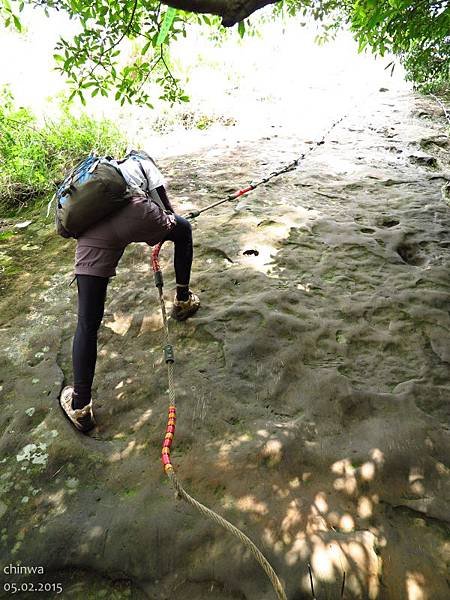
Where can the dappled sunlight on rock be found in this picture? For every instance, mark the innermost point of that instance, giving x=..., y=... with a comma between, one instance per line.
x=417, y=487
x=146, y=416
x=343, y=467
x=442, y=469
x=251, y=504
x=333, y=519
x=57, y=503
x=347, y=484
x=264, y=260
x=320, y=502
x=122, y=388
x=305, y=287
x=316, y=522
x=377, y=456
x=95, y=532
x=121, y=323
x=299, y=551
x=367, y=471
x=151, y=323
x=280, y=492
x=346, y=523
x=365, y=507
x=272, y=452
x=415, y=583
x=416, y=477
x=266, y=238
x=338, y=561
x=294, y=483
x=322, y=561
x=122, y=454
x=293, y=517
x=226, y=448
x=269, y=537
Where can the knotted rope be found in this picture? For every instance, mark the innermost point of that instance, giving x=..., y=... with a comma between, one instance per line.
x=170, y=359
x=169, y=437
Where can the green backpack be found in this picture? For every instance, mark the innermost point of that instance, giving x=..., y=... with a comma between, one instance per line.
x=91, y=191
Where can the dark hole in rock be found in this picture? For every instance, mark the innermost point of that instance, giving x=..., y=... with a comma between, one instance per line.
x=367, y=230
x=389, y=222
x=426, y=161
x=266, y=222
x=410, y=254
x=250, y=252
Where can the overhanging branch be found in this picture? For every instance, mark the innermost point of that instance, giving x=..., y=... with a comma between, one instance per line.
x=231, y=11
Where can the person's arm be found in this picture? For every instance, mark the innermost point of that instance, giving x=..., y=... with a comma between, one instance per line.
x=160, y=194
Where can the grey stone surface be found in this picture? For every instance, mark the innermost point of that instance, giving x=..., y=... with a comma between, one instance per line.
x=312, y=386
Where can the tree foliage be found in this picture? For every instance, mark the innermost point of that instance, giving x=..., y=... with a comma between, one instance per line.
x=416, y=31
x=121, y=46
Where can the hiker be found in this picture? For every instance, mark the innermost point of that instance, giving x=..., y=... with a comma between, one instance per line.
x=147, y=217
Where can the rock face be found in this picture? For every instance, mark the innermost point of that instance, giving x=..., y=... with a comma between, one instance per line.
x=312, y=386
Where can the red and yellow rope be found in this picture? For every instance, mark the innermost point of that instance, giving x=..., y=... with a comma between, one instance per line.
x=168, y=439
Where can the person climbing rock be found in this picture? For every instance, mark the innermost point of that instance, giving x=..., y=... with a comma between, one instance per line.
x=148, y=217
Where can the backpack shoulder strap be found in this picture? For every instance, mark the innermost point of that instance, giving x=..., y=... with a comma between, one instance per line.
x=143, y=173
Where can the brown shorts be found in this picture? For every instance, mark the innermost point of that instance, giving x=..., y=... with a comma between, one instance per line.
x=100, y=248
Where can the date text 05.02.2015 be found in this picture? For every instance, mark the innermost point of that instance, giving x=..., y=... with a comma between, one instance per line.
x=37, y=587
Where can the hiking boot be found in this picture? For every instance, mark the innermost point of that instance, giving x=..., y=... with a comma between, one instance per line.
x=181, y=310
x=81, y=418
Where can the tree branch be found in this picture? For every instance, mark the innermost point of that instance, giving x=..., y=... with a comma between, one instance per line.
x=124, y=33
x=231, y=11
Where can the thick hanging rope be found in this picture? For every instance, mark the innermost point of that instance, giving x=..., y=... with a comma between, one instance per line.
x=170, y=359
x=168, y=440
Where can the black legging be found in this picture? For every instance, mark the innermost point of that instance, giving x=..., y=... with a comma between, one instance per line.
x=91, y=305
x=181, y=236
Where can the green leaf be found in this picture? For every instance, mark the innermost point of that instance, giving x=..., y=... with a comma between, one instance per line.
x=17, y=22
x=146, y=47
x=59, y=58
x=165, y=27
x=241, y=28
x=362, y=45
